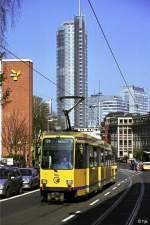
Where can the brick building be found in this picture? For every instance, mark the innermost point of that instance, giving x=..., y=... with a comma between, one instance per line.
x=17, y=99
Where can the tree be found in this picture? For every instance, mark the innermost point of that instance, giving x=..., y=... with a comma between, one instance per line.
x=8, y=11
x=15, y=134
x=138, y=154
x=40, y=116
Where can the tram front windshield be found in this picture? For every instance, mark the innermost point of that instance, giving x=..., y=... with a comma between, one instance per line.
x=57, y=153
x=146, y=157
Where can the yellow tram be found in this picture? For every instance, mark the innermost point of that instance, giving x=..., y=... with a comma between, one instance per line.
x=74, y=164
x=146, y=160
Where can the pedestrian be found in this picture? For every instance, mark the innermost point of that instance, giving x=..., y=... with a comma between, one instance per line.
x=135, y=165
x=132, y=164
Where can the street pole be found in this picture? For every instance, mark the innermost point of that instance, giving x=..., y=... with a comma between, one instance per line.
x=1, y=99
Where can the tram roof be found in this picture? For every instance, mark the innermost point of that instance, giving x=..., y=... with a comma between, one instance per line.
x=81, y=137
x=68, y=133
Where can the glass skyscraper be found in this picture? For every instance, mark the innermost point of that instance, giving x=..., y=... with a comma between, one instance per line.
x=136, y=98
x=65, y=70
x=81, y=85
x=100, y=105
x=72, y=70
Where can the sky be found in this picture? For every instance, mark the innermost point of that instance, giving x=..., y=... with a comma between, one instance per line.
x=126, y=25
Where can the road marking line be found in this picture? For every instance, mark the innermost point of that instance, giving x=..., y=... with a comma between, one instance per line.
x=92, y=203
x=114, y=188
x=68, y=218
x=77, y=212
x=17, y=196
x=122, y=181
x=107, y=193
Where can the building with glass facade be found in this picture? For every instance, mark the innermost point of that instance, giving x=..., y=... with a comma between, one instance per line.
x=81, y=79
x=136, y=98
x=65, y=70
x=72, y=70
x=101, y=105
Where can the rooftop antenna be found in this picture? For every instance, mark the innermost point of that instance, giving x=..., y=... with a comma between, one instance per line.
x=79, y=7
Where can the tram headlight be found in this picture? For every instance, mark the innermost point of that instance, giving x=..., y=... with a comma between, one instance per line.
x=2, y=186
x=69, y=182
x=43, y=181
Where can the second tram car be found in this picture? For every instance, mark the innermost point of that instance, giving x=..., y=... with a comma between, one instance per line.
x=74, y=164
x=146, y=160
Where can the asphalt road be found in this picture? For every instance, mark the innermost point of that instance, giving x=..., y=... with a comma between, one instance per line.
x=125, y=202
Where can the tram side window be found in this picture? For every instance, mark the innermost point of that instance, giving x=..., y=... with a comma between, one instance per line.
x=108, y=159
x=79, y=156
x=98, y=156
x=93, y=156
x=102, y=156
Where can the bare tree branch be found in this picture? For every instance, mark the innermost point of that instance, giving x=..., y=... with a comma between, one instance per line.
x=15, y=134
x=8, y=12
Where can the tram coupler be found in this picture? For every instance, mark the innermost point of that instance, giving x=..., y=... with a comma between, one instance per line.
x=56, y=196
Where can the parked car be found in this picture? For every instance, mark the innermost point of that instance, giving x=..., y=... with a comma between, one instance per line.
x=30, y=178
x=10, y=181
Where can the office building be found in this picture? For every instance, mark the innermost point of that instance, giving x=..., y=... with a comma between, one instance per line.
x=65, y=70
x=136, y=98
x=113, y=104
x=128, y=133
x=72, y=70
x=81, y=79
x=95, y=110
x=117, y=130
x=141, y=130
x=101, y=105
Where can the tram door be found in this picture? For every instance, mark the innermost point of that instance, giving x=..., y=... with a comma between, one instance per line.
x=102, y=168
x=80, y=174
x=93, y=168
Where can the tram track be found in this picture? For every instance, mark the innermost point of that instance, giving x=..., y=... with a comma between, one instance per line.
x=136, y=208
x=105, y=218
x=117, y=208
x=115, y=204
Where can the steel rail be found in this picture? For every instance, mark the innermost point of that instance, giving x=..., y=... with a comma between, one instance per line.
x=135, y=210
x=137, y=205
x=115, y=204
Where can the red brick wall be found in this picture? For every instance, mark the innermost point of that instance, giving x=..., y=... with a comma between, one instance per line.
x=21, y=91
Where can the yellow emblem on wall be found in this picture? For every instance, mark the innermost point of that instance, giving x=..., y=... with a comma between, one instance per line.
x=15, y=74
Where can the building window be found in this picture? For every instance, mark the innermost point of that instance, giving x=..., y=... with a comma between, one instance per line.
x=129, y=142
x=120, y=131
x=129, y=131
x=120, y=142
x=125, y=121
x=121, y=121
x=125, y=131
x=125, y=142
x=121, y=153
